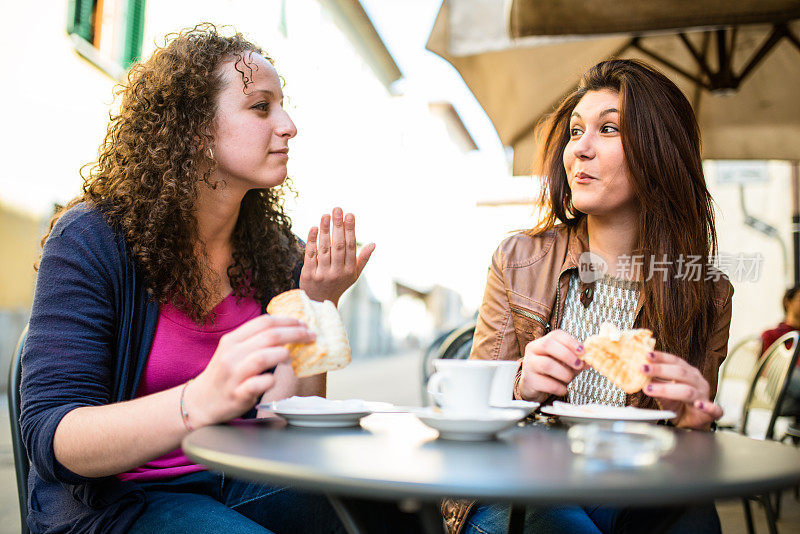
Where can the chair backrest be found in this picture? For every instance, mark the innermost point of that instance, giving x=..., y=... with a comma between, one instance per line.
x=770, y=381
x=21, y=463
x=456, y=345
x=735, y=376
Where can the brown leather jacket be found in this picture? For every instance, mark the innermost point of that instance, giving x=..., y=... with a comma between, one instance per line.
x=525, y=294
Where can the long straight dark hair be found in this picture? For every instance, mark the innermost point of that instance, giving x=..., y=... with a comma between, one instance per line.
x=661, y=141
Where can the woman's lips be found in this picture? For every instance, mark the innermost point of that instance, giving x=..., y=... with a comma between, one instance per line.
x=583, y=178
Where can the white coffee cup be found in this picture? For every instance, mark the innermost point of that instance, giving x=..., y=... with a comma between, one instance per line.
x=502, y=391
x=462, y=386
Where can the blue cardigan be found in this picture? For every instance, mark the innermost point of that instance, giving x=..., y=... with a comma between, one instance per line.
x=89, y=337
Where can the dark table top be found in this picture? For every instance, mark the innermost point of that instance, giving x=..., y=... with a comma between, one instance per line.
x=394, y=456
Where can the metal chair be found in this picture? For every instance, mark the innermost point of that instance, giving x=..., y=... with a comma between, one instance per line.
x=793, y=433
x=21, y=463
x=735, y=378
x=455, y=345
x=764, y=398
x=769, y=384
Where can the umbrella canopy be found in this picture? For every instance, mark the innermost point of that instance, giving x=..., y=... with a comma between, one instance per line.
x=737, y=62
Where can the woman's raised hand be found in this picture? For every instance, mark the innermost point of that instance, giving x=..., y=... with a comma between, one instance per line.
x=681, y=388
x=234, y=379
x=331, y=265
x=550, y=363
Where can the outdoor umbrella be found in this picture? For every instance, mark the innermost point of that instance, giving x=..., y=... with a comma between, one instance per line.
x=738, y=62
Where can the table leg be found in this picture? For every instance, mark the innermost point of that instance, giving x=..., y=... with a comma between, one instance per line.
x=516, y=522
x=431, y=518
x=765, y=500
x=428, y=513
x=347, y=515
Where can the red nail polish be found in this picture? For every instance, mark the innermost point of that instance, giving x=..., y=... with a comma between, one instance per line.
x=700, y=405
x=577, y=362
x=646, y=368
x=579, y=348
x=649, y=388
x=652, y=356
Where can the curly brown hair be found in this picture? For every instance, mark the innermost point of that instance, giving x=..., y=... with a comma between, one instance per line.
x=145, y=180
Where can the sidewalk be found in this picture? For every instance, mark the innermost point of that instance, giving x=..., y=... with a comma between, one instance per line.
x=394, y=379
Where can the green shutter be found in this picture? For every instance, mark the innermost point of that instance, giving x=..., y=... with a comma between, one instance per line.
x=134, y=31
x=79, y=18
x=282, y=25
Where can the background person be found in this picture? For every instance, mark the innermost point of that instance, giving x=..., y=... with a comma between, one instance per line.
x=621, y=157
x=148, y=318
x=790, y=323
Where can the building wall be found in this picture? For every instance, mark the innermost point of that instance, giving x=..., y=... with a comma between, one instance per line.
x=57, y=106
x=757, y=302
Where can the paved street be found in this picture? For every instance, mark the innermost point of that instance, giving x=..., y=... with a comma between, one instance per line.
x=393, y=379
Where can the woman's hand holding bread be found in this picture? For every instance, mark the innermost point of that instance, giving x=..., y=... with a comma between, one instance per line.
x=681, y=388
x=235, y=378
x=550, y=363
x=330, y=350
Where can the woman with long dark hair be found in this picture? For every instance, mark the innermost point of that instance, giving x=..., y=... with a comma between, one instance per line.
x=628, y=238
x=148, y=319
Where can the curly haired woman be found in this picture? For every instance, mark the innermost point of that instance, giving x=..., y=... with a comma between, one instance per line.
x=148, y=319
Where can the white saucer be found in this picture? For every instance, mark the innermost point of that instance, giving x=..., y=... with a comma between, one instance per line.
x=470, y=426
x=323, y=420
x=319, y=412
x=519, y=404
x=598, y=412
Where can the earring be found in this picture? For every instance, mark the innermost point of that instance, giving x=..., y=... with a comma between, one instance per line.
x=210, y=154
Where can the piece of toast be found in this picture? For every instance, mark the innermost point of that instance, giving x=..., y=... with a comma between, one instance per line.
x=330, y=351
x=620, y=355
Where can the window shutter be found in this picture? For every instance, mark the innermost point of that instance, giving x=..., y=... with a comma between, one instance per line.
x=134, y=30
x=79, y=21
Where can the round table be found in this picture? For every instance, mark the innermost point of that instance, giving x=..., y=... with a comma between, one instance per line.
x=395, y=457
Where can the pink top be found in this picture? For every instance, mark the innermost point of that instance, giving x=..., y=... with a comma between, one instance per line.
x=181, y=350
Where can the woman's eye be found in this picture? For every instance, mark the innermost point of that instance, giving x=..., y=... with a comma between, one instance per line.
x=609, y=128
x=261, y=106
x=575, y=132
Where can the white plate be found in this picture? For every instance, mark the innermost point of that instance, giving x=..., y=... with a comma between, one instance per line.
x=320, y=412
x=519, y=404
x=323, y=420
x=470, y=427
x=599, y=412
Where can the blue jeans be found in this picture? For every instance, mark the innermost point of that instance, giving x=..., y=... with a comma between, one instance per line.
x=211, y=502
x=493, y=519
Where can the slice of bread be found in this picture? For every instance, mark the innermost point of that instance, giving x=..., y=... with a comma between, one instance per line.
x=331, y=350
x=620, y=355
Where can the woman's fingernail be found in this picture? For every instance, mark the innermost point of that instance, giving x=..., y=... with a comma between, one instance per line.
x=649, y=388
x=652, y=356
x=578, y=362
x=646, y=368
x=700, y=405
x=579, y=348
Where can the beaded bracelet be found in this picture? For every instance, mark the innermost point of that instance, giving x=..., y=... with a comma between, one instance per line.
x=184, y=413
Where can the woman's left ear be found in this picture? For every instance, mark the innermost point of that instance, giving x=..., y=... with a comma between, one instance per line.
x=205, y=146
